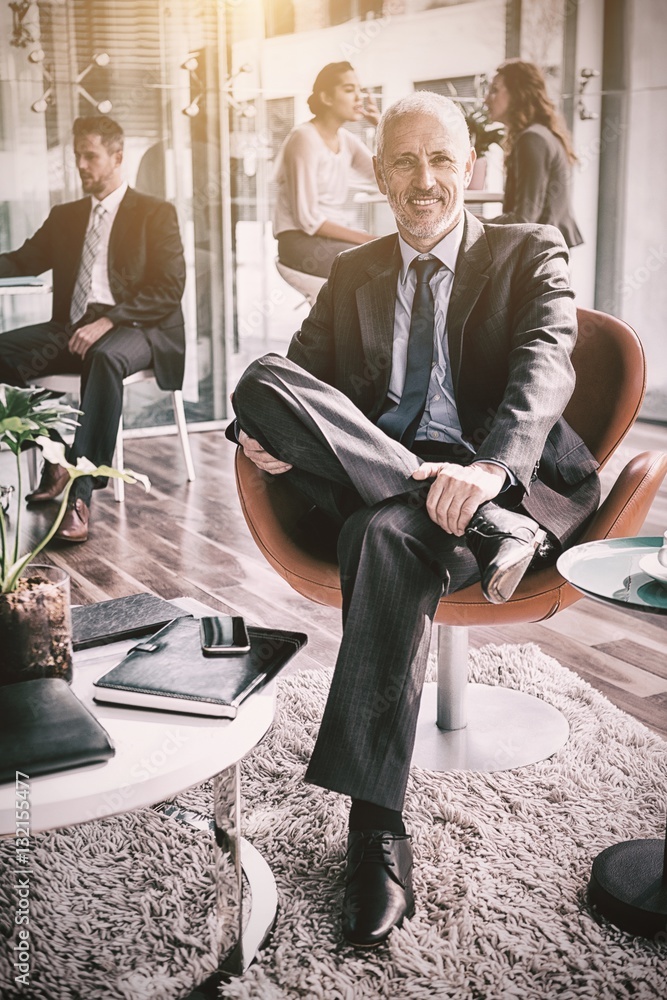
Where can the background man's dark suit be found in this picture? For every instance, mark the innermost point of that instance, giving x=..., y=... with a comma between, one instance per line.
x=511, y=327
x=146, y=272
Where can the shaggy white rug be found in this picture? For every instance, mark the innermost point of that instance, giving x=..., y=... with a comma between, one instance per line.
x=502, y=862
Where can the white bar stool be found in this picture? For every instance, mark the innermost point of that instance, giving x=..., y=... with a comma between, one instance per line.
x=307, y=285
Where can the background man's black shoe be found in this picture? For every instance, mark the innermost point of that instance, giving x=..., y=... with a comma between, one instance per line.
x=53, y=481
x=378, y=894
x=504, y=544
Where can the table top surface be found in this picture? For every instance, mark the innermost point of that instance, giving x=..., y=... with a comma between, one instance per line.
x=158, y=754
x=610, y=571
x=23, y=286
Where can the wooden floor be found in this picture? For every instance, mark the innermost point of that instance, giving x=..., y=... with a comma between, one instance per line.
x=190, y=539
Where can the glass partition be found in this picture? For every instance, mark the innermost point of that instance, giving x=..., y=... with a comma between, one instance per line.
x=156, y=67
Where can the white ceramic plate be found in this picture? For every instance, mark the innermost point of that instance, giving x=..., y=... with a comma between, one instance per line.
x=650, y=564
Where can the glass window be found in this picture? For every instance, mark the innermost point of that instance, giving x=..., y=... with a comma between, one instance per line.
x=154, y=67
x=279, y=16
x=345, y=10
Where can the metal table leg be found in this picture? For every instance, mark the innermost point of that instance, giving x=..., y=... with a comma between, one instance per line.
x=238, y=939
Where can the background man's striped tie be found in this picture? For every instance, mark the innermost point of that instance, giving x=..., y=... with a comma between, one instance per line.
x=85, y=275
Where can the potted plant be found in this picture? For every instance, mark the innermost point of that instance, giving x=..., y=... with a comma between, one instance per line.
x=35, y=623
x=483, y=134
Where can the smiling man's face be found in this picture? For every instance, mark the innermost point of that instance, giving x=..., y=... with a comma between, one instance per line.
x=426, y=166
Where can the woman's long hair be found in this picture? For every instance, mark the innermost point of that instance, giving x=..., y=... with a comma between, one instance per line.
x=326, y=80
x=530, y=104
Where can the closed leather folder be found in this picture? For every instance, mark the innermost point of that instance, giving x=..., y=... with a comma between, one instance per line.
x=121, y=618
x=169, y=672
x=44, y=727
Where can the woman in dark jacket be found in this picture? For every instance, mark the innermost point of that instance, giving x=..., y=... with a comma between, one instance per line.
x=538, y=150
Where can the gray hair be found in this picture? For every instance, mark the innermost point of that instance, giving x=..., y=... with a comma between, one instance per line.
x=427, y=103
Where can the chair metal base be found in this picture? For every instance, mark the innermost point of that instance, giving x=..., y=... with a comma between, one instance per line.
x=505, y=729
x=239, y=934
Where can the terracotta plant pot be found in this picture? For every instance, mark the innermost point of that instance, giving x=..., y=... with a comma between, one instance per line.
x=36, y=627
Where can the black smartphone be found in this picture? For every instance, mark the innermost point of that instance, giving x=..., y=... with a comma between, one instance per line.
x=223, y=635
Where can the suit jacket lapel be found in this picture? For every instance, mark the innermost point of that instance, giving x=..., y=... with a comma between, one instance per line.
x=471, y=276
x=119, y=228
x=376, y=304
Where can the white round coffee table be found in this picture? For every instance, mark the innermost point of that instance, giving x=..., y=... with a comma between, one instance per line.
x=158, y=755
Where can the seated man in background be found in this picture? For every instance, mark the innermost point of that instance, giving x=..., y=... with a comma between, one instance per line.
x=118, y=279
x=421, y=406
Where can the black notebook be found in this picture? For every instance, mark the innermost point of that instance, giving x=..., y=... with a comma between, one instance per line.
x=121, y=618
x=44, y=727
x=169, y=671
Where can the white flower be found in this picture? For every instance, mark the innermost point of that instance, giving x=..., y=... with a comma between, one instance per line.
x=54, y=452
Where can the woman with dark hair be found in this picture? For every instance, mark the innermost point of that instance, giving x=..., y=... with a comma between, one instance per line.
x=313, y=170
x=538, y=150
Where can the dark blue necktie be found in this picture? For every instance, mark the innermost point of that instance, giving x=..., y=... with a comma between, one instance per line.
x=402, y=423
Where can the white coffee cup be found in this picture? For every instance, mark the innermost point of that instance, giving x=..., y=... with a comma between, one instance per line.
x=662, y=553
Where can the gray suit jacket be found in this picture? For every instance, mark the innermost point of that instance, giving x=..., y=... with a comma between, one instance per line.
x=511, y=327
x=537, y=188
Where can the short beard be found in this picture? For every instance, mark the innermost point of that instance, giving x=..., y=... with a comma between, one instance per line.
x=428, y=229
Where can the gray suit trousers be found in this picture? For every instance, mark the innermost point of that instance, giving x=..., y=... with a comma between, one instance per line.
x=395, y=564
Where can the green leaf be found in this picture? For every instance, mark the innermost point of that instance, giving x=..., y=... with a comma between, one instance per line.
x=28, y=415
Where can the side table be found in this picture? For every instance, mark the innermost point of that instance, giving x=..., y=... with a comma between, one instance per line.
x=11, y=287
x=23, y=286
x=158, y=755
x=628, y=882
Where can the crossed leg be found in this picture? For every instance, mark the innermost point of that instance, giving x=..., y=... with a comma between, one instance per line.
x=395, y=563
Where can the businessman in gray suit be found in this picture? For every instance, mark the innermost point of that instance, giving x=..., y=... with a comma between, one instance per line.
x=420, y=405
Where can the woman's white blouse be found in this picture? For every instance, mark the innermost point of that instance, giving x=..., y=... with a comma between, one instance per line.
x=314, y=182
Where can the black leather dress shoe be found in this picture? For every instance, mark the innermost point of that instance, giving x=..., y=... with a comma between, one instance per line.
x=378, y=895
x=74, y=525
x=504, y=544
x=53, y=481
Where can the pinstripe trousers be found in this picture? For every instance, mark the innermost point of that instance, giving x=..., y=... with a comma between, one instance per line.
x=395, y=564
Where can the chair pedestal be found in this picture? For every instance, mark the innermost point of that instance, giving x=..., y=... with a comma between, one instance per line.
x=475, y=727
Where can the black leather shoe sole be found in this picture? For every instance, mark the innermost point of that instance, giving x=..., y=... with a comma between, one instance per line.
x=410, y=912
